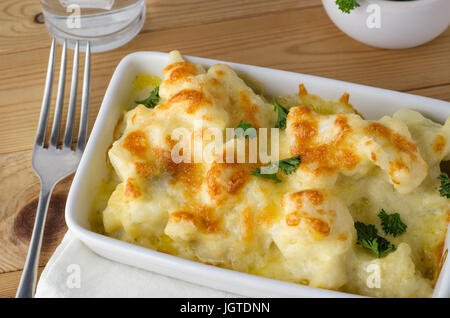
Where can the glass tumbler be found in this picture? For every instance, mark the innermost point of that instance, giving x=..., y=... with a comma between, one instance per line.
x=107, y=24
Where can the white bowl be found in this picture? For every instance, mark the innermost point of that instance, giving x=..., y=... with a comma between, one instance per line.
x=371, y=102
x=403, y=24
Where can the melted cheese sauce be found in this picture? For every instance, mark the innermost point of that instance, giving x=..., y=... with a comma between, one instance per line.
x=300, y=230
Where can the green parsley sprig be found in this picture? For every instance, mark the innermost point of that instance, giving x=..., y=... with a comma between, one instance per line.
x=347, y=5
x=391, y=223
x=271, y=176
x=152, y=100
x=287, y=166
x=444, y=189
x=368, y=238
x=282, y=114
x=246, y=126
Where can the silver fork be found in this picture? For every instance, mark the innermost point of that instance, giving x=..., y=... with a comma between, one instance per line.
x=52, y=164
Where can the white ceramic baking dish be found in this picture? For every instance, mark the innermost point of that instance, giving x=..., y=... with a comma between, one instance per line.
x=370, y=102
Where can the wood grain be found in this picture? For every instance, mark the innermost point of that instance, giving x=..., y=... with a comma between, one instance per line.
x=294, y=35
x=20, y=29
x=438, y=92
x=20, y=26
x=290, y=46
x=10, y=281
x=19, y=197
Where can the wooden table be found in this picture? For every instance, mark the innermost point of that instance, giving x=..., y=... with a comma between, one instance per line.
x=294, y=35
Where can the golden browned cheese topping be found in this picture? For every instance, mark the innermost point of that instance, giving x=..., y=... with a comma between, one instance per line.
x=136, y=143
x=220, y=72
x=341, y=122
x=144, y=169
x=195, y=100
x=439, y=144
x=322, y=106
x=345, y=98
x=227, y=178
x=268, y=216
x=302, y=90
x=398, y=141
x=180, y=71
x=328, y=156
x=295, y=218
x=305, y=130
x=247, y=224
x=379, y=129
x=132, y=190
x=159, y=161
x=190, y=174
x=394, y=167
x=314, y=196
x=202, y=219
x=248, y=108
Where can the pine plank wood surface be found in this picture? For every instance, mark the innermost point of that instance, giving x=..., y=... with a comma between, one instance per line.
x=294, y=35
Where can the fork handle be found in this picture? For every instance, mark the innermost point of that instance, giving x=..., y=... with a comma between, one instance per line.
x=27, y=283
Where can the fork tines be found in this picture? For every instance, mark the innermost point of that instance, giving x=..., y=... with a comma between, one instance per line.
x=68, y=134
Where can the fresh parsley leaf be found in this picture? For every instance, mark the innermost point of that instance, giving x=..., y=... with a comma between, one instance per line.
x=391, y=223
x=379, y=245
x=368, y=238
x=365, y=232
x=282, y=114
x=347, y=5
x=444, y=190
x=288, y=166
x=245, y=126
x=152, y=100
x=384, y=247
x=272, y=176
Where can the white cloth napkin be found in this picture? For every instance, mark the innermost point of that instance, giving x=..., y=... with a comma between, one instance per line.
x=75, y=271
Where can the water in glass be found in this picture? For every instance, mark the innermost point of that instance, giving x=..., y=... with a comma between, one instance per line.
x=107, y=24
